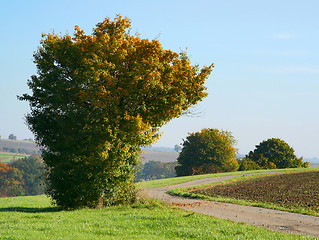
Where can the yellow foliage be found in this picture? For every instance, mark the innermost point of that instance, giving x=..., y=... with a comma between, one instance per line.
x=98, y=98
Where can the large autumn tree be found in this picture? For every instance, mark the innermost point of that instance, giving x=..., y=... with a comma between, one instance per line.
x=96, y=99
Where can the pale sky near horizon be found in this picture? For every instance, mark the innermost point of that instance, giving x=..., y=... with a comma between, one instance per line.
x=266, y=78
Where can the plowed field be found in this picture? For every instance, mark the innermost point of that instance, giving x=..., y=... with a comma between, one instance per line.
x=299, y=190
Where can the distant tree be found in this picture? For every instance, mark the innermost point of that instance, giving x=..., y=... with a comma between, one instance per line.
x=12, y=137
x=207, y=151
x=96, y=100
x=156, y=170
x=28, y=139
x=275, y=153
x=32, y=170
x=26, y=151
x=10, y=181
x=169, y=169
x=13, y=150
x=246, y=164
x=177, y=148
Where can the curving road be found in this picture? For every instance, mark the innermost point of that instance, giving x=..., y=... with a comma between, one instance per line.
x=272, y=219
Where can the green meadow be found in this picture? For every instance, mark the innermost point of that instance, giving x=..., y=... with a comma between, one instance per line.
x=34, y=217
x=8, y=157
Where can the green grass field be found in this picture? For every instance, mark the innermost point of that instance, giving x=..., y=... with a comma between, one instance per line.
x=8, y=157
x=35, y=218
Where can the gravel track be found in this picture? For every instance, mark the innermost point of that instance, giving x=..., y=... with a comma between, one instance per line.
x=272, y=219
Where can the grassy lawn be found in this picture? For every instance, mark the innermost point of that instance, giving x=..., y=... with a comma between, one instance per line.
x=8, y=157
x=35, y=218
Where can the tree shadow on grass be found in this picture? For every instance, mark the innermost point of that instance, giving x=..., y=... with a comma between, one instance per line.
x=31, y=210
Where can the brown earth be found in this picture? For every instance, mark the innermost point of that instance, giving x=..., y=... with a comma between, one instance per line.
x=271, y=219
x=299, y=190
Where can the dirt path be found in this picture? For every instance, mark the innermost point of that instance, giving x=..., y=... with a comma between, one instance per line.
x=272, y=219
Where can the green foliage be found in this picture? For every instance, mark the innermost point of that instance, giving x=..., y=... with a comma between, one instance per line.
x=208, y=151
x=156, y=170
x=11, y=150
x=12, y=137
x=96, y=100
x=247, y=164
x=275, y=153
x=32, y=174
x=22, y=177
x=25, y=151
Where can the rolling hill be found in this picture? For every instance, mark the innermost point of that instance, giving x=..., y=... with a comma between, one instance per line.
x=147, y=156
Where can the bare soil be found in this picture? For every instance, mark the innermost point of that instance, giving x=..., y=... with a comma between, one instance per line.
x=271, y=219
x=300, y=190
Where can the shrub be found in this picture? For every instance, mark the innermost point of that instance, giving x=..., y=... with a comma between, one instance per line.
x=247, y=164
x=156, y=170
x=207, y=151
x=275, y=153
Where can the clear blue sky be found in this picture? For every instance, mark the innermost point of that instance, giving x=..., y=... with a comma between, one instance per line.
x=265, y=83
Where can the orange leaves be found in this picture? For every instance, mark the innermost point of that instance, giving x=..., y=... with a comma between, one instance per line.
x=138, y=75
x=4, y=168
x=116, y=28
x=78, y=33
x=10, y=181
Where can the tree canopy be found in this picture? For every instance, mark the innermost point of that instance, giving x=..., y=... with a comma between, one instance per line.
x=207, y=151
x=156, y=170
x=96, y=99
x=10, y=181
x=12, y=137
x=275, y=153
x=31, y=168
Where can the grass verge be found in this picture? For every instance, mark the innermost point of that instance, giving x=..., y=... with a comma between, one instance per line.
x=35, y=218
x=178, y=180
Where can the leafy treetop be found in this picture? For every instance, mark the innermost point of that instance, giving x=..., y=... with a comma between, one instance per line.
x=275, y=153
x=207, y=151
